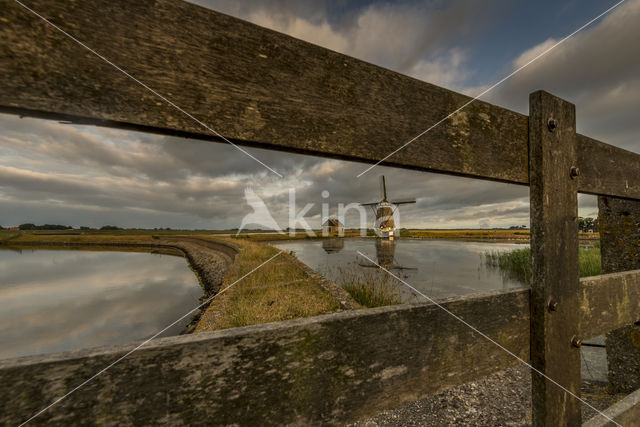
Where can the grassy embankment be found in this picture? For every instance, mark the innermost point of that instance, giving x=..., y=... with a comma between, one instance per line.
x=279, y=290
x=516, y=264
x=261, y=237
x=512, y=235
x=374, y=288
x=124, y=236
x=80, y=235
x=485, y=235
x=93, y=240
x=498, y=235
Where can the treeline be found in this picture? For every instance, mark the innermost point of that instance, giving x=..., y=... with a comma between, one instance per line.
x=584, y=224
x=587, y=224
x=30, y=226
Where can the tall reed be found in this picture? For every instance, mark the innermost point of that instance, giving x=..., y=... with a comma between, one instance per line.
x=370, y=287
x=516, y=264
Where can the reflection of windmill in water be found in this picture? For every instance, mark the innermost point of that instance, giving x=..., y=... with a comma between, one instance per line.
x=385, y=254
x=385, y=226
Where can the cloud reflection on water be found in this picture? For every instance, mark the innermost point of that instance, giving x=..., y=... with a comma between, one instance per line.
x=60, y=300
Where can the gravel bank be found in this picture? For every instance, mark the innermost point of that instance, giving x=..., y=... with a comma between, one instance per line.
x=210, y=261
x=503, y=399
x=210, y=265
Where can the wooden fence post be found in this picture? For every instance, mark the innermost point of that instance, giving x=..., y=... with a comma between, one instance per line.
x=554, y=259
x=619, y=222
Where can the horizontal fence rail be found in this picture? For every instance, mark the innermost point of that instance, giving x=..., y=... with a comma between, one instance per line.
x=330, y=368
x=625, y=412
x=609, y=302
x=258, y=87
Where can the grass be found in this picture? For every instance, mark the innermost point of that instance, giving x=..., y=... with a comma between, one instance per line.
x=498, y=235
x=279, y=290
x=590, y=262
x=371, y=288
x=100, y=236
x=52, y=237
x=259, y=237
x=145, y=235
x=516, y=264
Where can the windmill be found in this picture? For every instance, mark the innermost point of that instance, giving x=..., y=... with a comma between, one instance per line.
x=384, y=209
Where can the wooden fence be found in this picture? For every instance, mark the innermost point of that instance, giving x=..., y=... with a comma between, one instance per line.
x=261, y=88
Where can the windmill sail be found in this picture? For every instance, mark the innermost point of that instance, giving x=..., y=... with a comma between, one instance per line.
x=383, y=189
x=403, y=201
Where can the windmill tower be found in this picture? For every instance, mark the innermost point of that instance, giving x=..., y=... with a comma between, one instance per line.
x=384, y=209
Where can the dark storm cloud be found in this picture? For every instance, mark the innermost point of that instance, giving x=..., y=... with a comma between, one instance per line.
x=598, y=69
x=411, y=37
x=113, y=195
x=162, y=158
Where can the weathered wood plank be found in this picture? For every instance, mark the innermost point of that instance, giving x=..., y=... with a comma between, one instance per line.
x=325, y=369
x=554, y=260
x=607, y=170
x=620, y=249
x=609, y=302
x=254, y=86
x=619, y=225
x=625, y=412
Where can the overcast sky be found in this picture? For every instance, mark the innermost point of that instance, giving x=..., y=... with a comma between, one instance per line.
x=77, y=175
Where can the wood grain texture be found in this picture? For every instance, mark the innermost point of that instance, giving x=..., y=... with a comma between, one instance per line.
x=607, y=170
x=619, y=224
x=554, y=260
x=609, y=302
x=254, y=86
x=620, y=250
x=325, y=369
x=625, y=412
